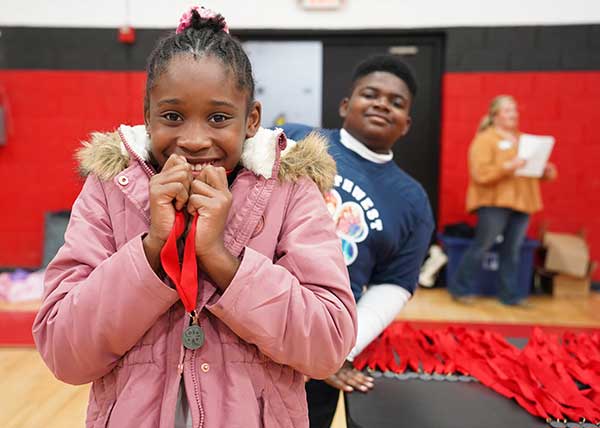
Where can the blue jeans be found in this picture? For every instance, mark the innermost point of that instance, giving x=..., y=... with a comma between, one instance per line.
x=494, y=221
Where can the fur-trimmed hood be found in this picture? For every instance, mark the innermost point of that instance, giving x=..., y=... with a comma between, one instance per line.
x=266, y=154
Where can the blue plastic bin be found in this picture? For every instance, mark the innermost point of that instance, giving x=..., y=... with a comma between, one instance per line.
x=486, y=281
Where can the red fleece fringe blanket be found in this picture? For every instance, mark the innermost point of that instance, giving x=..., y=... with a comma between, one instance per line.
x=555, y=378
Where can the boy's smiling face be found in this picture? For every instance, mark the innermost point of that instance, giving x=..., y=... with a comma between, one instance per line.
x=197, y=110
x=378, y=110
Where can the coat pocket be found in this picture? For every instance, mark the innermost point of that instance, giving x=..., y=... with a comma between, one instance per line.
x=109, y=410
x=270, y=415
x=103, y=417
x=265, y=420
x=102, y=400
x=139, y=354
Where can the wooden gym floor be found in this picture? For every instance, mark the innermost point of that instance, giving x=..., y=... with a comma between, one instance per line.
x=31, y=397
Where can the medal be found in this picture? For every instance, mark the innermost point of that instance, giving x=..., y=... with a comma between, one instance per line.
x=438, y=377
x=193, y=335
x=374, y=373
x=402, y=376
x=186, y=278
x=451, y=378
x=425, y=376
x=412, y=375
x=557, y=424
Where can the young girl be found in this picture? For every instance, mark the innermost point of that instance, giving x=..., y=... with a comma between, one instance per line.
x=261, y=296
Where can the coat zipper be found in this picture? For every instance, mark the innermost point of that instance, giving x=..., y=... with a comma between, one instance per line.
x=180, y=370
x=196, y=392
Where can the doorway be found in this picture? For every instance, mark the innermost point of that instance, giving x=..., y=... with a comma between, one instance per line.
x=337, y=54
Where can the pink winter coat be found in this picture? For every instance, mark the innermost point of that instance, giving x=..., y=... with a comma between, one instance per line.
x=107, y=318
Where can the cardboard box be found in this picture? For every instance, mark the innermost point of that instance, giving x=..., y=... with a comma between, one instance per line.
x=564, y=285
x=566, y=254
x=570, y=286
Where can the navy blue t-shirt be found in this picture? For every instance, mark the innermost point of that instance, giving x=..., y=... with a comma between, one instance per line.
x=382, y=216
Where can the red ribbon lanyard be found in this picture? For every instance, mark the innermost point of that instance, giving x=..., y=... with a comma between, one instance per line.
x=410, y=349
x=380, y=358
x=186, y=278
x=362, y=359
x=541, y=378
x=447, y=348
x=400, y=346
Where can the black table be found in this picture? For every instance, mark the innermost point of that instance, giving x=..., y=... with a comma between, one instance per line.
x=415, y=403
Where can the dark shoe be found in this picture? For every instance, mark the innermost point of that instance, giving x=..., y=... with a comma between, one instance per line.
x=464, y=300
x=521, y=304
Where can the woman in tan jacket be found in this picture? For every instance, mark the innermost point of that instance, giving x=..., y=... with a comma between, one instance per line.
x=502, y=200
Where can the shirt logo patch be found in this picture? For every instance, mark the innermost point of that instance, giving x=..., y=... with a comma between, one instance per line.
x=353, y=219
x=350, y=224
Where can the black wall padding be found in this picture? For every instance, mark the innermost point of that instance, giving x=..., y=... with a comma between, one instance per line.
x=54, y=233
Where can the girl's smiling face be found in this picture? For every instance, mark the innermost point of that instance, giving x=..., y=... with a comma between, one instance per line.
x=197, y=110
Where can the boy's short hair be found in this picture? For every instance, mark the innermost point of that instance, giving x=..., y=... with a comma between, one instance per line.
x=390, y=64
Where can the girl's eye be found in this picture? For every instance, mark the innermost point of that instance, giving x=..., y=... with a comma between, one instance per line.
x=172, y=117
x=218, y=118
x=368, y=95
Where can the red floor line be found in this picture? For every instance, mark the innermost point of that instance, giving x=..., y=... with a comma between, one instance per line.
x=15, y=328
x=508, y=330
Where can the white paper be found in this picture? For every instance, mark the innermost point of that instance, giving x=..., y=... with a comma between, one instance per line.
x=535, y=149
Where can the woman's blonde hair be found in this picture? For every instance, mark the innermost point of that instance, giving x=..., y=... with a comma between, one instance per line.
x=488, y=119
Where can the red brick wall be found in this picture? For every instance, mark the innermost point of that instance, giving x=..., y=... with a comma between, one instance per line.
x=49, y=113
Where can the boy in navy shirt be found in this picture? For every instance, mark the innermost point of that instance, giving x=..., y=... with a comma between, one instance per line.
x=383, y=215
